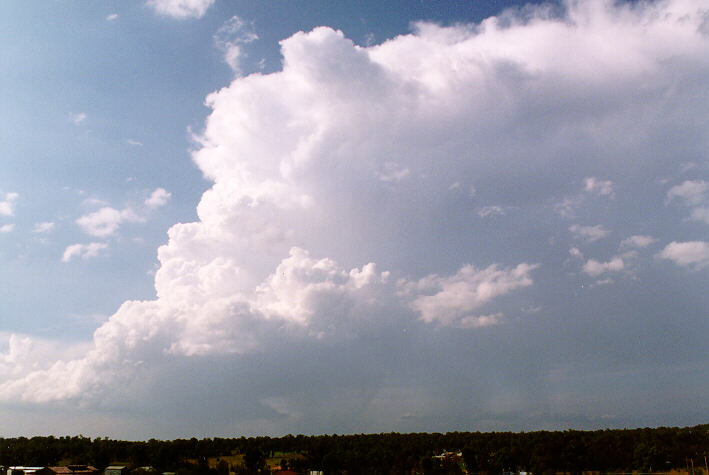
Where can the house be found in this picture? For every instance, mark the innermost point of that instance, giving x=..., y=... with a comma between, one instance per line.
x=116, y=470
x=69, y=470
x=19, y=470
x=145, y=470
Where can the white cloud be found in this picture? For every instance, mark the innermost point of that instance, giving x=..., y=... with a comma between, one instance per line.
x=392, y=172
x=575, y=252
x=180, y=9
x=78, y=118
x=595, y=268
x=481, y=321
x=6, y=228
x=487, y=211
x=685, y=167
x=606, y=281
x=568, y=205
x=159, y=197
x=93, y=202
x=700, y=213
x=7, y=206
x=599, y=187
x=588, y=233
x=25, y=354
x=637, y=240
x=134, y=142
x=43, y=227
x=692, y=253
x=84, y=251
x=296, y=159
x=692, y=192
x=106, y=221
x=231, y=37
x=451, y=300
x=112, y=17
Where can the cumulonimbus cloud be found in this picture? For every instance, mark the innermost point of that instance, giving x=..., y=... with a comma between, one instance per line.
x=304, y=209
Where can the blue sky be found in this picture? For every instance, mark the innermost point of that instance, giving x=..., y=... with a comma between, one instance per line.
x=359, y=217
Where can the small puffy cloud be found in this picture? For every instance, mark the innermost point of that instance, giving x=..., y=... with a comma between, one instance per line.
x=180, y=9
x=134, y=143
x=112, y=17
x=84, y=251
x=230, y=38
x=588, y=233
x=487, y=211
x=576, y=253
x=106, y=221
x=599, y=187
x=637, y=240
x=43, y=227
x=700, y=213
x=78, y=118
x=7, y=206
x=606, y=281
x=566, y=208
x=692, y=192
x=6, y=228
x=595, y=268
x=392, y=172
x=159, y=197
x=691, y=253
x=450, y=300
x=481, y=321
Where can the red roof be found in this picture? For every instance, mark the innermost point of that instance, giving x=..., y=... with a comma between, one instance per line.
x=74, y=469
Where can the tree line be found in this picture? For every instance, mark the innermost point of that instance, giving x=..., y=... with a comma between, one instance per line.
x=610, y=450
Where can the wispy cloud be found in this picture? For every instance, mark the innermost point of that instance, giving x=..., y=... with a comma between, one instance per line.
x=641, y=241
x=487, y=211
x=230, y=39
x=83, y=251
x=598, y=187
x=695, y=195
x=43, y=227
x=588, y=233
x=78, y=118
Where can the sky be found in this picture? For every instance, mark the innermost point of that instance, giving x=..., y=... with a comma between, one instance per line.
x=230, y=217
